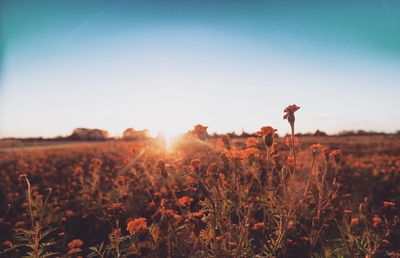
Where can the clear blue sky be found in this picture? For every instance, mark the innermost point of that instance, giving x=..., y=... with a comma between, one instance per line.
x=167, y=65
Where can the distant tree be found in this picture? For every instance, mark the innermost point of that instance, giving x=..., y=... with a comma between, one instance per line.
x=131, y=134
x=245, y=134
x=320, y=133
x=85, y=134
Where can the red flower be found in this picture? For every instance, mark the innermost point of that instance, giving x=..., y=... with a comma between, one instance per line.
x=290, y=110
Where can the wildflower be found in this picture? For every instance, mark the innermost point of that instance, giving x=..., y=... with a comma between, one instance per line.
x=177, y=217
x=236, y=155
x=136, y=226
x=200, y=132
x=316, y=150
x=251, y=152
x=196, y=214
x=184, y=201
x=76, y=243
x=288, y=141
x=335, y=155
x=376, y=221
x=289, y=114
x=267, y=132
x=389, y=204
x=251, y=142
x=354, y=221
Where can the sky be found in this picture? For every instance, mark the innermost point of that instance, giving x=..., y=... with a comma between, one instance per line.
x=168, y=65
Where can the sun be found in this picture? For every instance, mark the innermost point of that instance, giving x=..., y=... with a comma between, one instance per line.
x=168, y=138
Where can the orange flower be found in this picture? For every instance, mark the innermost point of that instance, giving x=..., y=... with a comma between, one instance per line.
x=76, y=243
x=335, y=155
x=376, y=221
x=136, y=226
x=249, y=152
x=184, y=201
x=265, y=130
x=251, y=142
x=236, y=154
x=268, y=133
x=196, y=214
x=354, y=221
x=288, y=141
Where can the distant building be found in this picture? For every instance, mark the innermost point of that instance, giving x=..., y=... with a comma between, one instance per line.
x=85, y=134
x=131, y=134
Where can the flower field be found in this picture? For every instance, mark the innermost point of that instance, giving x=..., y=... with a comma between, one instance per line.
x=261, y=196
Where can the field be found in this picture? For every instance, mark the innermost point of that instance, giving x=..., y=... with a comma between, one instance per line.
x=262, y=196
